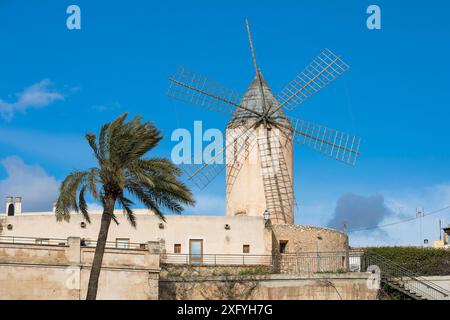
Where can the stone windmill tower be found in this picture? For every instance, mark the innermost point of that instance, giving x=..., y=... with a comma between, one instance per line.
x=258, y=151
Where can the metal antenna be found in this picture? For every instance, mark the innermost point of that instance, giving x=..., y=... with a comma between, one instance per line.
x=251, y=47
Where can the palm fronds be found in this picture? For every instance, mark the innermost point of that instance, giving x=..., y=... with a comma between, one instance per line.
x=119, y=151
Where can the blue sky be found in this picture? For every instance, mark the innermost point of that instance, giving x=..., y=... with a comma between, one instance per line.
x=395, y=96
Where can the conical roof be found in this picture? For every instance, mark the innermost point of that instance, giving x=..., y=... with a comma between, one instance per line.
x=253, y=100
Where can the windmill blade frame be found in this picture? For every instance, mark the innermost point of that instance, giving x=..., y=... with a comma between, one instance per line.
x=193, y=88
x=259, y=119
x=278, y=187
x=320, y=72
x=242, y=146
x=203, y=174
x=335, y=144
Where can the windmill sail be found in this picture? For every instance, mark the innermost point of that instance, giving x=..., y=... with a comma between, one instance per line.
x=237, y=153
x=204, y=173
x=333, y=143
x=193, y=88
x=263, y=175
x=325, y=68
x=276, y=177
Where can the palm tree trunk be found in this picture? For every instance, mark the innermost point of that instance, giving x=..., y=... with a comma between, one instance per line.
x=108, y=210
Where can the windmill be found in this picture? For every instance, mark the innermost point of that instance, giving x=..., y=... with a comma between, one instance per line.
x=259, y=136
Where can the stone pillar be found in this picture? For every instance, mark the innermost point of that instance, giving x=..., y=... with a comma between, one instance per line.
x=154, y=247
x=73, y=252
x=152, y=256
x=17, y=206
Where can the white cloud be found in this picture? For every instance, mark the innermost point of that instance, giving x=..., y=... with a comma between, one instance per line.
x=31, y=182
x=37, y=96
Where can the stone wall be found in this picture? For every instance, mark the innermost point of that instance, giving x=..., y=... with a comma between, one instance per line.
x=309, y=249
x=30, y=271
x=349, y=286
x=308, y=239
x=183, y=270
x=312, y=263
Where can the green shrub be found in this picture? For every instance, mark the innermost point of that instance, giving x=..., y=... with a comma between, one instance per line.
x=422, y=261
x=254, y=271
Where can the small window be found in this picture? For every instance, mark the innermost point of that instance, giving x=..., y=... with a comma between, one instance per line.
x=177, y=248
x=122, y=243
x=246, y=248
x=143, y=246
x=283, y=244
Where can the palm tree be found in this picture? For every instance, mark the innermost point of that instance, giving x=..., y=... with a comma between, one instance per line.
x=122, y=171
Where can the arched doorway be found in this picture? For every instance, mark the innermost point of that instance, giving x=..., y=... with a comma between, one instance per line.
x=11, y=210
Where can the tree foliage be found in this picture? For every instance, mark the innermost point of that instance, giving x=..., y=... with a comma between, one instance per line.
x=122, y=173
x=422, y=261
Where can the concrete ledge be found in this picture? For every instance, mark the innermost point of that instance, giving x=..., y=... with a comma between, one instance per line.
x=269, y=277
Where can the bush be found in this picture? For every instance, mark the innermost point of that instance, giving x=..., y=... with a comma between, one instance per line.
x=254, y=271
x=422, y=261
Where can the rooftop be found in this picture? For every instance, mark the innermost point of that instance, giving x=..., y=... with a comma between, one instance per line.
x=253, y=100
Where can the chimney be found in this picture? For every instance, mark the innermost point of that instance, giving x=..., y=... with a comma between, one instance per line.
x=9, y=211
x=17, y=205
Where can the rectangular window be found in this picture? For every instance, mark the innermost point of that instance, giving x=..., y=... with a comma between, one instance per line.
x=122, y=243
x=246, y=248
x=177, y=248
x=283, y=245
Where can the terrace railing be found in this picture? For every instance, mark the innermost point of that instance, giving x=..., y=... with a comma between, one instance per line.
x=63, y=242
x=402, y=279
x=33, y=241
x=216, y=259
x=312, y=262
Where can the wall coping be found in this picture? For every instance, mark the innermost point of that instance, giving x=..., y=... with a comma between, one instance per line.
x=271, y=277
x=306, y=227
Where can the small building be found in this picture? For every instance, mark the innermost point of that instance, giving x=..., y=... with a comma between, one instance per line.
x=194, y=239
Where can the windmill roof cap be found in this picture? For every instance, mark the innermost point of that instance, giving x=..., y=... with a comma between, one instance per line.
x=253, y=100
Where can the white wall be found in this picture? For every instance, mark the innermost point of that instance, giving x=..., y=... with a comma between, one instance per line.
x=177, y=229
